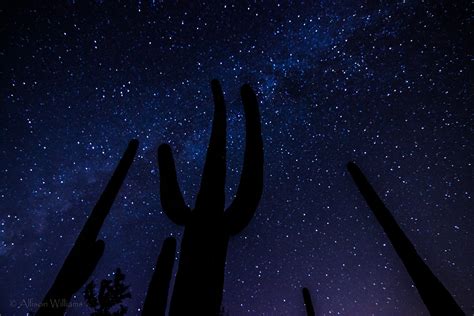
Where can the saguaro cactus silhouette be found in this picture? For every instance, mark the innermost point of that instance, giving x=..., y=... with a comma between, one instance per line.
x=308, y=303
x=87, y=250
x=200, y=277
x=435, y=296
x=157, y=295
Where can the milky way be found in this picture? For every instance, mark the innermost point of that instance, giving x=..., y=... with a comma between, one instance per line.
x=388, y=86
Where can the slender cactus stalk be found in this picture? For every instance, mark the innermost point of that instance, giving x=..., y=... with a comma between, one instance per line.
x=87, y=250
x=200, y=277
x=308, y=303
x=157, y=296
x=433, y=293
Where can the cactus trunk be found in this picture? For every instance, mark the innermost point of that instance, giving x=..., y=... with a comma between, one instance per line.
x=433, y=293
x=308, y=303
x=157, y=296
x=87, y=250
x=200, y=278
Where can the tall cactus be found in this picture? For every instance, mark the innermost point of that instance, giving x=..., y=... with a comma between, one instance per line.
x=308, y=303
x=157, y=295
x=435, y=296
x=87, y=250
x=200, y=277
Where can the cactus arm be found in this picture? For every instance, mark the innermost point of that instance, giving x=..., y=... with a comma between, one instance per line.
x=433, y=293
x=249, y=192
x=172, y=200
x=308, y=303
x=212, y=191
x=157, y=295
x=87, y=251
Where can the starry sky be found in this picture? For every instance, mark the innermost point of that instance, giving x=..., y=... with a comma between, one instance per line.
x=387, y=85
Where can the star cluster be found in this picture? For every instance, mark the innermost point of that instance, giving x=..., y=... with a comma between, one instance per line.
x=388, y=86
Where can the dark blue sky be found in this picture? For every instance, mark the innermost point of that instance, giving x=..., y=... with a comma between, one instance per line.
x=389, y=86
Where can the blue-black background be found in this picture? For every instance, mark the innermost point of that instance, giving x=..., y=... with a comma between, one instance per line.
x=387, y=85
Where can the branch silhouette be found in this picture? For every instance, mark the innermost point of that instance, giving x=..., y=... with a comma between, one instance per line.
x=433, y=293
x=200, y=277
x=87, y=250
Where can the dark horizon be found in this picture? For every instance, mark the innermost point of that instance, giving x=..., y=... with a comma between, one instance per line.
x=387, y=86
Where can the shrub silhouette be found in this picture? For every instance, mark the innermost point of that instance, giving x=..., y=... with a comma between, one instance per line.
x=111, y=293
x=435, y=296
x=200, y=277
x=87, y=250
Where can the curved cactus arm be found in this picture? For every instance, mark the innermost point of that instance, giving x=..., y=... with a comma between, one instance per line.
x=87, y=251
x=249, y=192
x=212, y=191
x=436, y=297
x=172, y=200
x=157, y=295
x=308, y=303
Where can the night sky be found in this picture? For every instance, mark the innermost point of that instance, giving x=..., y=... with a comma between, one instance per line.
x=388, y=86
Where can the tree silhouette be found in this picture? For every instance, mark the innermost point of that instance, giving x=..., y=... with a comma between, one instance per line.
x=87, y=250
x=433, y=293
x=200, y=277
x=111, y=293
